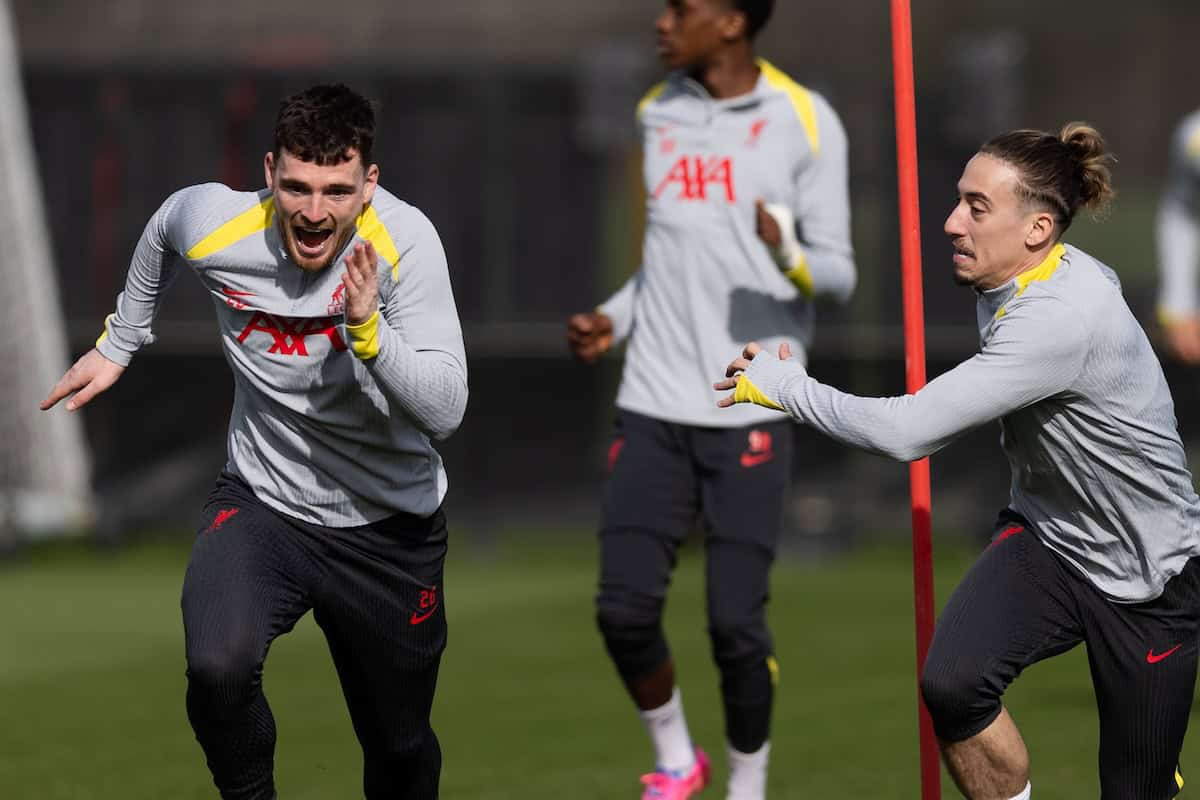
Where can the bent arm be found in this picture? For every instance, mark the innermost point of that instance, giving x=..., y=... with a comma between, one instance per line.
x=619, y=307
x=414, y=347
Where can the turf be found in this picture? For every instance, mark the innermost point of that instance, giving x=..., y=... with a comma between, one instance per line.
x=91, y=683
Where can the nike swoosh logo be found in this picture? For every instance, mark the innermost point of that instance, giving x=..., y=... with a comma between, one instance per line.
x=754, y=459
x=225, y=290
x=417, y=619
x=1154, y=659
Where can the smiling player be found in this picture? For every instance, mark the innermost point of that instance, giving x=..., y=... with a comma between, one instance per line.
x=337, y=319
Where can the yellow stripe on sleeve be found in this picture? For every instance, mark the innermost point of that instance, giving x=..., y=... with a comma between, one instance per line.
x=364, y=338
x=801, y=277
x=747, y=392
x=245, y=224
x=802, y=100
x=371, y=228
x=1178, y=778
x=773, y=668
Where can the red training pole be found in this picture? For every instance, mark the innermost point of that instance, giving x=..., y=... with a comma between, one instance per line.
x=914, y=360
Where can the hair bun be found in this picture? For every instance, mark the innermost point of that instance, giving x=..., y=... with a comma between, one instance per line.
x=1094, y=163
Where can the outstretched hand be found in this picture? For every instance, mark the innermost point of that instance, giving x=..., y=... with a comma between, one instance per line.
x=87, y=377
x=739, y=365
x=361, y=279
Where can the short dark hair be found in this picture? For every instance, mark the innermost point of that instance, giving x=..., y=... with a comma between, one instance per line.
x=757, y=13
x=323, y=123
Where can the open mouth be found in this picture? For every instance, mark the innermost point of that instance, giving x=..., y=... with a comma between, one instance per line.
x=311, y=241
x=962, y=254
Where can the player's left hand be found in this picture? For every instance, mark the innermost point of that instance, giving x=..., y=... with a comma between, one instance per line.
x=362, y=283
x=739, y=365
x=766, y=226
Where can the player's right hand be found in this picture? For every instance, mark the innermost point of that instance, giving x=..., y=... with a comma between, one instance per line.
x=87, y=377
x=589, y=335
x=1182, y=337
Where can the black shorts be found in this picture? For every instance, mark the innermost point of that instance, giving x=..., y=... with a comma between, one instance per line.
x=1021, y=603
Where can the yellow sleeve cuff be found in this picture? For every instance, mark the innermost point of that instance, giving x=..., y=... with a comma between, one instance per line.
x=747, y=392
x=104, y=335
x=801, y=277
x=364, y=338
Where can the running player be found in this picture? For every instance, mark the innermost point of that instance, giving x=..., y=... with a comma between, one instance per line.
x=747, y=219
x=1099, y=540
x=337, y=319
x=1179, y=245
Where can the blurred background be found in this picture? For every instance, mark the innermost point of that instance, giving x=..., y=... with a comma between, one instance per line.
x=511, y=125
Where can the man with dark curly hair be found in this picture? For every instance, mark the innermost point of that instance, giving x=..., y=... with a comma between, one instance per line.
x=337, y=318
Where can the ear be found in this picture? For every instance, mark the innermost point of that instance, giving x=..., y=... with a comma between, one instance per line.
x=269, y=169
x=733, y=26
x=1041, y=230
x=370, y=182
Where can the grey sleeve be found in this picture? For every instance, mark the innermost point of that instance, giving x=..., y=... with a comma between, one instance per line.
x=822, y=209
x=1178, y=226
x=619, y=307
x=151, y=271
x=1029, y=358
x=422, y=365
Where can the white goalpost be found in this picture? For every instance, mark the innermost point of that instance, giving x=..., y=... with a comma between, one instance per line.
x=45, y=469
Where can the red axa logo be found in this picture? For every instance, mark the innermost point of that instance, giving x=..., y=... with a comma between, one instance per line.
x=288, y=334
x=337, y=302
x=223, y=516
x=693, y=175
x=428, y=606
x=759, y=450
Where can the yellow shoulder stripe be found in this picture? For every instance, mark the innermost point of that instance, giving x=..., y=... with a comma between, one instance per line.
x=651, y=96
x=1041, y=272
x=802, y=100
x=245, y=224
x=371, y=228
x=746, y=392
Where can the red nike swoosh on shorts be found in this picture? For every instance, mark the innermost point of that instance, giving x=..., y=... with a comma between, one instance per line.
x=1154, y=659
x=754, y=459
x=417, y=619
x=225, y=290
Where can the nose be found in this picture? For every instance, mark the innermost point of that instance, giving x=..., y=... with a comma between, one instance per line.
x=313, y=210
x=954, y=223
x=662, y=25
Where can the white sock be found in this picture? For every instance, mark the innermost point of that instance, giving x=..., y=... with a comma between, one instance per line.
x=748, y=773
x=669, y=733
x=1025, y=793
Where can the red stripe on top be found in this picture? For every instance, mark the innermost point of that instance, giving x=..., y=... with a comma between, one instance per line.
x=1011, y=530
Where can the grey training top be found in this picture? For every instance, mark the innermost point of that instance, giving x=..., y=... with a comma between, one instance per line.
x=1179, y=225
x=1086, y=420
x=707, y=283
x=324, y=428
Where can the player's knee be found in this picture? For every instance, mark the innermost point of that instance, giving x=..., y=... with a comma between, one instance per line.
x=223, y=675
x=632, y=629
x=738, y=638
x=961, y=703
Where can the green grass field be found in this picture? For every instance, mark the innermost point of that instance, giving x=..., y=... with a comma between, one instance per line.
x=91, y=683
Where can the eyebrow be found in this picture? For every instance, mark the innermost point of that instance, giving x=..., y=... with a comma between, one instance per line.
x=293, y=183
x=977, y=197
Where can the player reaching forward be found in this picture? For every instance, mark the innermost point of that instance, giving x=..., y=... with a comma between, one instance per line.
x=336, y=316
x=1099, y=538
x=747, y=219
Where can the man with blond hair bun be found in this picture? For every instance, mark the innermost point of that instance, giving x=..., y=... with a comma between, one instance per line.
x=1098, y=541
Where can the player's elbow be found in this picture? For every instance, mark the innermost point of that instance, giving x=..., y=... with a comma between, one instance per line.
x=447, y=417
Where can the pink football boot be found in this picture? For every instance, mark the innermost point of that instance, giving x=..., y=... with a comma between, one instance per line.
x=663, y=785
